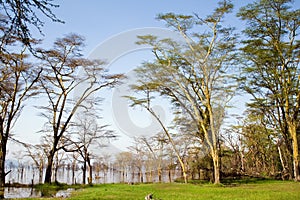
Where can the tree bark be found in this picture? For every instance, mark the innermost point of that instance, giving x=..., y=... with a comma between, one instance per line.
x=48, y=174
x=84, y=173
x=3, y=143
x=216, y=162
x=2, y=172
x=90, y=178
x=293, y=132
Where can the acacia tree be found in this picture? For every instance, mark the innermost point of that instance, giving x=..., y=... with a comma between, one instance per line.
x=145, y=102
x=194, y=75
x=37, y=154
x=68, y=82
x=20, y=16
x=17, y=84
x=272, y=74
x=88, y=136
x=259, y=144
x=138, y=149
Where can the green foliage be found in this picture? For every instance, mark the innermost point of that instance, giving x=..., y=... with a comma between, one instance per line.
x=271, y=72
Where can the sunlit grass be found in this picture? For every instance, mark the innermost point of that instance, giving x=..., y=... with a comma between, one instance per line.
x=236, y=190
x=260, y=190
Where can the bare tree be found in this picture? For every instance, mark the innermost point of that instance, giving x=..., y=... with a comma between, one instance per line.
x=37, y=154
x=17, y=84
x=88, y=135
x=68, y=82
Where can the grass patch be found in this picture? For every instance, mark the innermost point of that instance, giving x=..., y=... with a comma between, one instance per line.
x=170, y=191
x=259, y=189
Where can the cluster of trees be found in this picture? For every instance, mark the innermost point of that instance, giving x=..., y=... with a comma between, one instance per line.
x=198, y=76
x=201, y=75
x=60, y=75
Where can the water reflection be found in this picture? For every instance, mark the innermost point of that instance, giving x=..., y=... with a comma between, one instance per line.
x=18, y=192
x=13, y=192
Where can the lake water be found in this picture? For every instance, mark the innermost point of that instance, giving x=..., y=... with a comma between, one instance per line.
x=29, y=175
x=13, y=192
x=21, y=193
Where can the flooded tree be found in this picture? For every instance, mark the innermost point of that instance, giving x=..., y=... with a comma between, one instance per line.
x=16, y=20
x=68, y=81
x=17, y=84
x=88, y=135
x=37, y=154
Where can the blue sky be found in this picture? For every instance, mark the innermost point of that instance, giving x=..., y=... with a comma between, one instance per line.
x=99, y=20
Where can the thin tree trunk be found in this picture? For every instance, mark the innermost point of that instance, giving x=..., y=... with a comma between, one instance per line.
x=41, y=167
x=170, y=175
x=3, y=142
x=2, y=169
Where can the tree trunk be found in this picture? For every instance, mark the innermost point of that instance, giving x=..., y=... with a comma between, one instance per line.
x=84, y=172
x=293, y=132
x=216, y=162
x=41, y=167
x=90, y=178
x=2, y=168
x=170, y=176
x=73, y=171
x=159, y=172
x=3, y=143
x=48, y=174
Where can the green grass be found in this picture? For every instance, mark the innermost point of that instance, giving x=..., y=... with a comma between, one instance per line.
x=252, y=189
x=260, y=190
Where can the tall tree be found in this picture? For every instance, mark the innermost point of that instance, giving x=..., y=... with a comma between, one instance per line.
x=17, y=17
x=272, y=73
x=194, y=75
x=17, y=83
x=69, y=82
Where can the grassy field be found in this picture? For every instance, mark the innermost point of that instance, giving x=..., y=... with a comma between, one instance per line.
x=256, y=190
